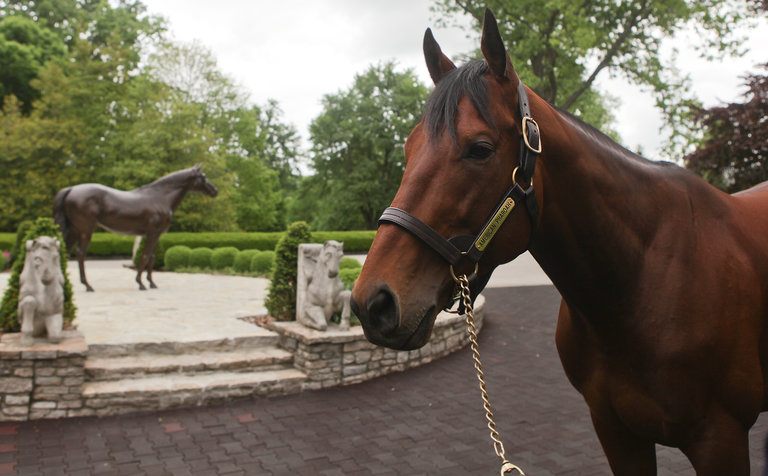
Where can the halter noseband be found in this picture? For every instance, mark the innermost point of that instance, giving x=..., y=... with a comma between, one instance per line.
x=450, y=249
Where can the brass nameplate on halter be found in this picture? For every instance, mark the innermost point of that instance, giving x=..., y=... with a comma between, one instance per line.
x=487, y=235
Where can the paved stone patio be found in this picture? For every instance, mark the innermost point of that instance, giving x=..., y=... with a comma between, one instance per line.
x=185, y=308
x=424, y=421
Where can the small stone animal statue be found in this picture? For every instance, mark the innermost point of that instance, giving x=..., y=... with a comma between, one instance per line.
x=41, y=291
x=320, y=293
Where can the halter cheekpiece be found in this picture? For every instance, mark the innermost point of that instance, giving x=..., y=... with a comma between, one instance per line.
x=475, y=246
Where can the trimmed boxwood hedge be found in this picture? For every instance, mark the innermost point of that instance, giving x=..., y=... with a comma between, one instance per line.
x=6, y=241
x=104, y=244
x=243, y=260
x=262, y=262
x=200, y=258
x=177, y=257
x=223, y=258
x=348, y=276
x=281, y=295
x=349, y=263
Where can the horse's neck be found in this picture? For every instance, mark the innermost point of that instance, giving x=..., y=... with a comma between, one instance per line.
x=598, y=211
x=171, y=194
x=176, y=196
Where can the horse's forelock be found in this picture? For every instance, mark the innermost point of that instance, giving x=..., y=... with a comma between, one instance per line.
x=442, y=106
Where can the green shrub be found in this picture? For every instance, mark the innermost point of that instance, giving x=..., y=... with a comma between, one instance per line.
x=349, y=263
x=18, y=243
x=358, y=241
x=348, y=276
x=239, y=240
x=177, y=257
x=8, y=307
x=7, y=241
x=5, y=259
x=262, y=263
x=159, y=255
x=223, y=258
x=243, y=260
x=200, y=258
x=281, y=297
x=110, y=244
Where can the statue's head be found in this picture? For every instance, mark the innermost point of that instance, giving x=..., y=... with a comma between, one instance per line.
x=200, y=182
x=43, y=256
x=331, y=255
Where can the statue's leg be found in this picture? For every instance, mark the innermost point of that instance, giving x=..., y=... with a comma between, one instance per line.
x=82, y=248
x=150, y=246
x=142, y=265
x=315, y=318
x=346, y=310
x=26, y=311
x=54, y=324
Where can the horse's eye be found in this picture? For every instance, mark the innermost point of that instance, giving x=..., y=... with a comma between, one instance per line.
x=479, y=151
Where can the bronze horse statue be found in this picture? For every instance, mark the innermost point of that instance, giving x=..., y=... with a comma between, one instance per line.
x=663, y=278
x=145, y=211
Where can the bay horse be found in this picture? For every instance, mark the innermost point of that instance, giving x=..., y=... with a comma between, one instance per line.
x=145, y=211
x=663, y=278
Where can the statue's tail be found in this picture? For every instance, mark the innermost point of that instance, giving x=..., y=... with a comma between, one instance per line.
x=60, y=215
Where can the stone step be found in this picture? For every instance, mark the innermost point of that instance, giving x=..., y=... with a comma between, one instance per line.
x=170, y=391
x=263, y=339
x=141, y=365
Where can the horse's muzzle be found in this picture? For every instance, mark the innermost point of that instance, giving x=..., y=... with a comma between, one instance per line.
x=380, y=317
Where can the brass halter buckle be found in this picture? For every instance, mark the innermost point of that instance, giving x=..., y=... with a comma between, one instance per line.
x=526, y=121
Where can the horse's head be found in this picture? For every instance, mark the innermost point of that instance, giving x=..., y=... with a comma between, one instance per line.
x=330, y=256
x=459, y=162
x=200, y=182
x=43, y=257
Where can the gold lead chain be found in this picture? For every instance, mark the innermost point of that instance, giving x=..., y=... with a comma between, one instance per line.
x=498, y=446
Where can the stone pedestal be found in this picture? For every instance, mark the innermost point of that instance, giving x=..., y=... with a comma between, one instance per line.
x=342, y=357
x=42, y=379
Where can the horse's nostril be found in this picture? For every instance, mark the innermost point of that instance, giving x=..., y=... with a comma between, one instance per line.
x=382, y=312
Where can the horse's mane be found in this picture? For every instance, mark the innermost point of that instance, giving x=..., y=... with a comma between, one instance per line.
x=468, y=80
x=607, y=142
x=172, y=178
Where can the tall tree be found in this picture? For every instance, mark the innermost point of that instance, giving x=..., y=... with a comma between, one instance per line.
x=357, y=147
x=25, y=47
x=560, y=47
x=734, y=152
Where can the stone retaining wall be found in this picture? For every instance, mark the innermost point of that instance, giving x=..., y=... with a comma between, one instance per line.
x=337, y=357
x=41, y=380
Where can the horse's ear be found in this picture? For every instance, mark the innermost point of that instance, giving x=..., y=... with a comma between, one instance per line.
x=198, y=166
x=437, y=63
x=493, y=47
x=29, y=245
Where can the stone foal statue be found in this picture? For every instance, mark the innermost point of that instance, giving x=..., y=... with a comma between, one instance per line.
x=41, y=291
x=319, y=292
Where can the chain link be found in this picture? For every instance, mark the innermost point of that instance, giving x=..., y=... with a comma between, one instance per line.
x=498, y=446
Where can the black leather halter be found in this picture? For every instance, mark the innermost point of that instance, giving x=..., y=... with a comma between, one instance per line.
x=475, y=246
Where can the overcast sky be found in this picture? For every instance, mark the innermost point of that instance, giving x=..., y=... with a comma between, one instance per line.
x=295, y=51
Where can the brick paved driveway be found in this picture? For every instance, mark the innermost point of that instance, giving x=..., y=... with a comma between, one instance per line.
x=425, y=421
